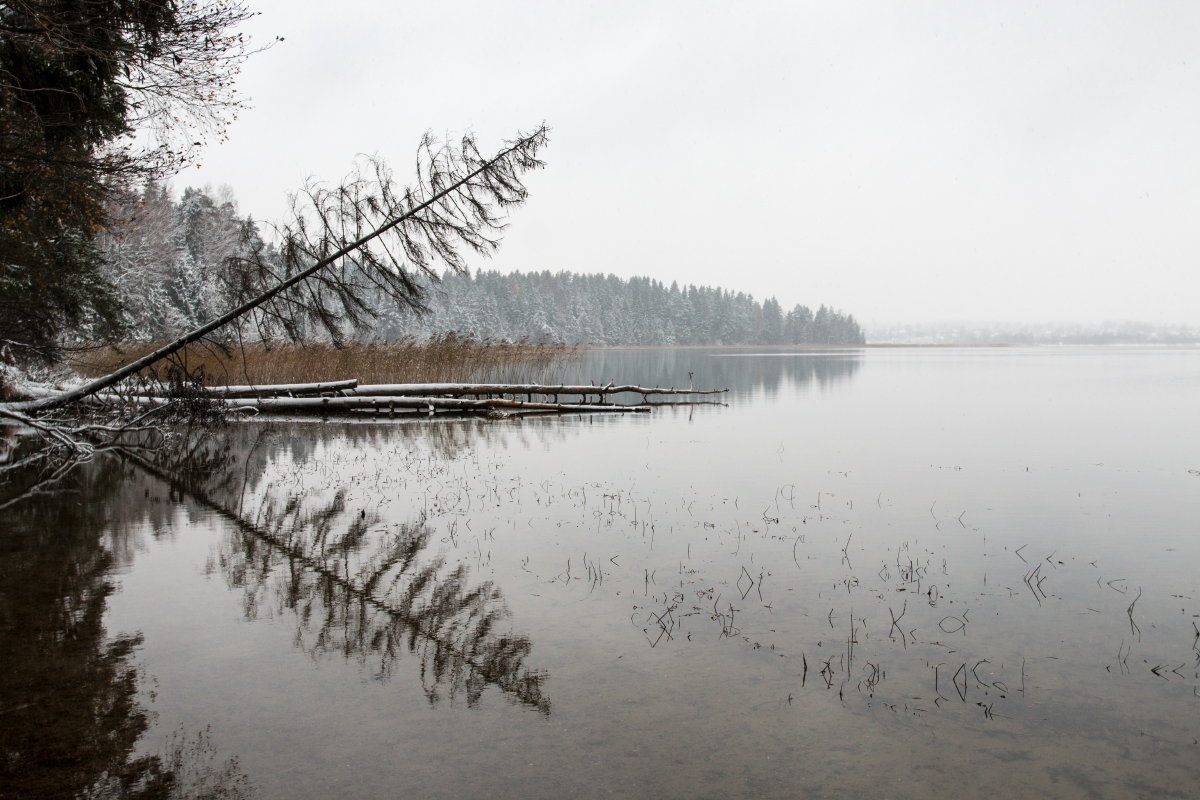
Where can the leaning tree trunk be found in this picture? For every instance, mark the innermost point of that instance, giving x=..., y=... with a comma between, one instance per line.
x=464, y=214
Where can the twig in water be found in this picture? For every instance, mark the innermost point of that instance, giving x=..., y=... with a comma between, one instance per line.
x=1034, y=582
x=827, y=673
x=1122, y=656
x=1133, y=626
x=896, y=627
x=850, y=642
x=748, y=588
x=962, y=690
x=976, y=674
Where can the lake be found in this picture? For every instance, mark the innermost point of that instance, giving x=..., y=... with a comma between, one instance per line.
x=895, y=572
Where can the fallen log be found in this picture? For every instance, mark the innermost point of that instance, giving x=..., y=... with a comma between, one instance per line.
x=460, y=389
x=377, y=404
x=352, y=387
x=385, y=403
x=276, y=389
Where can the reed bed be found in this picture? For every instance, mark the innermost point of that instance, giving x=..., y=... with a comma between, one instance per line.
x=445, y=358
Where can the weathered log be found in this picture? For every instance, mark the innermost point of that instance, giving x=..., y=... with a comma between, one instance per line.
x=378, y=404
x=459, y=389
x=386, y=403
x=275, y=389
x=352, y=387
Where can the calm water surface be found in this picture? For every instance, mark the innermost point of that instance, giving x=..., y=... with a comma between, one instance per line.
x=896, y=573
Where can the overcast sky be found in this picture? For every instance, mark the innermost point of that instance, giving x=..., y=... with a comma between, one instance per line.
x=902, y=161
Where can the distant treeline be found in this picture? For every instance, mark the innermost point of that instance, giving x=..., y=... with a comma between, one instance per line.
x=990, y=333
x=608, y=310
x=173, y=265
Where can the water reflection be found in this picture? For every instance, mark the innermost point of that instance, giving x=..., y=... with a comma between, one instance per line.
x=821, y=595
x=356, y=585
x=70, y=719
x=745, y=371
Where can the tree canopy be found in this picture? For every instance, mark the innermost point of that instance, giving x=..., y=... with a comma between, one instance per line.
x=95, y=95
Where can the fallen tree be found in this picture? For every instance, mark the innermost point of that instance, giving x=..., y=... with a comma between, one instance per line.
x=478, y=390
x=343, y=249
x=275, y=390
x=459, y=200
x=349, y=395
x=528, y=389
x=377, y=404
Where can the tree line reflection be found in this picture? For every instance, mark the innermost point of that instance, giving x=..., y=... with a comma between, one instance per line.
x=744, y=371
x=70, y=715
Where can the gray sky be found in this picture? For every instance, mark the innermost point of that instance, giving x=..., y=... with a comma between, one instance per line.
x=902, y=161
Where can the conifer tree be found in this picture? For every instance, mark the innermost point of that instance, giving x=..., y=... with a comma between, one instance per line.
x=79, y=79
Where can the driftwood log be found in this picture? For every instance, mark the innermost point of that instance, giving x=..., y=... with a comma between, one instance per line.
x=349, y=395
x=279, y=389
x=485, y=389
x=478, y=390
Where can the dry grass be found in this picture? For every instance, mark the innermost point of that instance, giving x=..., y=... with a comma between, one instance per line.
x=445, y=359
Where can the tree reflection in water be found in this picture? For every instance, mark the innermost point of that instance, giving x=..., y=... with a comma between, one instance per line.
x=70, y=719
x=357, y=587
x=746, y=371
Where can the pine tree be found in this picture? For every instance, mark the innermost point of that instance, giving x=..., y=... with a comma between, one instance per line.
x=79, y=79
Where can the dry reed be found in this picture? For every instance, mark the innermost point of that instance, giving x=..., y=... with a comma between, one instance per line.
x=446, y=358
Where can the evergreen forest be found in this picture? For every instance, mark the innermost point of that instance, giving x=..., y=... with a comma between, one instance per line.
x=174, y=264
x=608, y=310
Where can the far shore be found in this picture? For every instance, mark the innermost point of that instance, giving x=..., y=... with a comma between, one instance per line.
x=780, y=346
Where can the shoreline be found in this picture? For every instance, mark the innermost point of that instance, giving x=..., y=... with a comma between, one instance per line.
x=782, y=347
